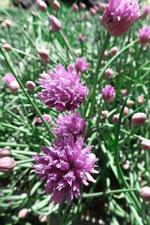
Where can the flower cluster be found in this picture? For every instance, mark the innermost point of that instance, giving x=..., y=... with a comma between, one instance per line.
x=70, y=124
x=62, y=89
x=119, y=16
x=64, y=168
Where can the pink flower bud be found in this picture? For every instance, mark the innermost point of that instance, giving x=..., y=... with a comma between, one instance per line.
x=3, y=41
x=126, y=165
x=30, y=85
x=108, y=73
x=145, y=193
x=140, y=100
x=93, y=11
x=55, y=24
x=7, y=47
x=105, y=113
x=44, y=55
x=23, y=213
x=130, y=103
x=108, y=93
x=96, y=8
x=81, y=38
x=8, y=23
x=105, y=54
x=85, y=16
x=75, y=7
x=42, y=218
x=102, y=6
x=146, y=144
x=13, y=86
x=124, y=92
x=5, y=151
x=25, y=26
x=145, y=12
x=41, y=5
x=138, y=119
x=126, y=111
x=46, y=117
x=83, y=6
x=56, y=5
x=113, y=51
x=7, y=164
x=116, y=118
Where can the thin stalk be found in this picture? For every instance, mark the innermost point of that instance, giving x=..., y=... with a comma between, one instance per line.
x=98, y=194
x=100, y=57
x=67, y=45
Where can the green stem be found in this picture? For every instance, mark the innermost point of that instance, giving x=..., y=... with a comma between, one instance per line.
x=116, y=157
x=25, y=92
x=67, y=45
x=100, y=57
x=93, y=195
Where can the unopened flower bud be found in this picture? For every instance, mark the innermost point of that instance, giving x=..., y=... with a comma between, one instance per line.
x=81, y=38
x=46, y=117
x=83, y=6
x=25, y=26
x=14, y=86
x=116, y=118
x=23, y=213
x=108, y=73
x=7, y=47
x=124, y=92
x=7, y=164
x=108, y=93
x=55, y=24
x=105, y=113
x=105, y=54
x=126, y=111
x=138, y=119
x=113, y=51
x=145, y=193
x=130, y=103
x=41, y=5
x=42, y=218
x=56, y=5
x=85, y=16
x=5, y=151
x=30, y=85
x=146, y=144
x=44, y=55
x=126, y=165
x=8, y=23
x=140, y=100
x=102, y=6
x=3, y=41
x=75, y=7
x=96, y=8
x=93, y=11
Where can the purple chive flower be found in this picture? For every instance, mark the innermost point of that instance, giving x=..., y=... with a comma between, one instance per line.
x=144, y=36
x=81, y=38
x=81, y=65
x=108, y=93
x=46, y=117
x=119, y=16
x=62, y=89
x=70, y=124
x=145, y=12
x=64, y=168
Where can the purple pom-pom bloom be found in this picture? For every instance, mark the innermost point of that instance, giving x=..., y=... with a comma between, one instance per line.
x=70, y=124
x=81, y=65
x=8, y=78
x=144, y=36
x=62, y=89
x=108, y=93
x=119, y=16
x=64, y=168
